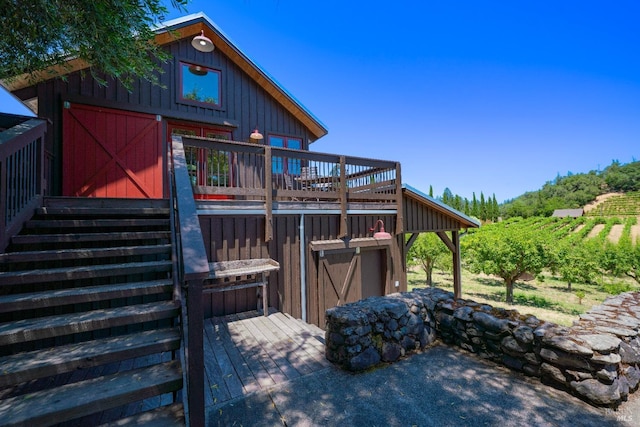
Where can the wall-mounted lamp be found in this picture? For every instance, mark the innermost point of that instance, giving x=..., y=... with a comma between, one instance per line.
x=202, y=43
x=380, y=234
x=198, y=70
x=256, y=135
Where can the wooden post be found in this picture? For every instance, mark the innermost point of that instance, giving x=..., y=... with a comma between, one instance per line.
x=268, y=191
x=457, y=269
x=399, y=202
x=194, y=353
x=454, y=246
x=195, y=266
x=343, y=198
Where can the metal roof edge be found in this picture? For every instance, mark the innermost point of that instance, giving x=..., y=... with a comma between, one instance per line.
x=13, y=102
x=440, y=205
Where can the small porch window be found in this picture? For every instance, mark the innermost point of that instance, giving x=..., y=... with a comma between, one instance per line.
x=199, y=84
x=282, y=165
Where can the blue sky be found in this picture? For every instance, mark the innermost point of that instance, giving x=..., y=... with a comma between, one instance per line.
x=497, y=97
x=477, y=96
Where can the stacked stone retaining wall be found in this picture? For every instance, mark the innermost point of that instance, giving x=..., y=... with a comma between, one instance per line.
x=596, y=359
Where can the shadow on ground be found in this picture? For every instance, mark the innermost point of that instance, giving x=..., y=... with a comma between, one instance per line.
x=442, y=386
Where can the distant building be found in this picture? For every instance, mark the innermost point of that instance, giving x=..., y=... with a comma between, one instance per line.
x=573, y=213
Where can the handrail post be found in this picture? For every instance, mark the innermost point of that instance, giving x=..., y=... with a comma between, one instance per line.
x=343, y=197
x=399, y=202
x=195, y=269
x=194, y=352
x=268, y=191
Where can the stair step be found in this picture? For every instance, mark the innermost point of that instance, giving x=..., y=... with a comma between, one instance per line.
x=23, y=367
x=45, y=299
x=104, y=203
x=84, y=253
x=97, y=223
x=54, y=326
x=83, y=398
x=89, y=237
x=84, y=272
x=102, y=212
x=164, y=416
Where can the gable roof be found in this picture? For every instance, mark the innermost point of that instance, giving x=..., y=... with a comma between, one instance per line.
x=190, y=26
x=429, y=202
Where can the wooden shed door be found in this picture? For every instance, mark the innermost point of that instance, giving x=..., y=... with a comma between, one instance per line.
x=344, y=277
x=338, y=280
x=373, y=267
x=111, y=153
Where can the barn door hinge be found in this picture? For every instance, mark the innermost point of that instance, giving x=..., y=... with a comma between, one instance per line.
x=66, y=104
x=158, y=118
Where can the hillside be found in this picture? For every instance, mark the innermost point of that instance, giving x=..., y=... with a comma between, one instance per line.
x=614, y=204
x=581, y=190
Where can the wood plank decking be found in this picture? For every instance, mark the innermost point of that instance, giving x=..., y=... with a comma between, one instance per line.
x=244, y=353
x=248, y=352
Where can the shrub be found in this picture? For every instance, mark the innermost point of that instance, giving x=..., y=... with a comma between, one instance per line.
x=616, y=288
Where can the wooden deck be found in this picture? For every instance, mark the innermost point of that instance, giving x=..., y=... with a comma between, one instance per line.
x=248, y=352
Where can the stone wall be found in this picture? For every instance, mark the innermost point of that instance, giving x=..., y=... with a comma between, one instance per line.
x=596, y=359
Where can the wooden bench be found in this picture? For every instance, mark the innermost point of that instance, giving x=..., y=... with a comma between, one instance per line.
x=242, y=274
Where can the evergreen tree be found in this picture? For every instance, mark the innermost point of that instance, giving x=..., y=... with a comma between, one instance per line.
x=475, y=209
x=431, y=191
x=447, y=197
x=483, y=207
x=457, y=202
x=495, y=209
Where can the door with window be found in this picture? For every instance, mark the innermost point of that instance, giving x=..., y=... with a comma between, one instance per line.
x=207, y=167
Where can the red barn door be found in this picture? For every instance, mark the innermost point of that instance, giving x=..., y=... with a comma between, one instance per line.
x=111, y=153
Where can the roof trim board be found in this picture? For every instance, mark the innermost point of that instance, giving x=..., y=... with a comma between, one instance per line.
x=465, y=221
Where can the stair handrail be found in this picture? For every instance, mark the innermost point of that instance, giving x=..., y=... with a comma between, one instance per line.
x=192, y=270
x=22, y=177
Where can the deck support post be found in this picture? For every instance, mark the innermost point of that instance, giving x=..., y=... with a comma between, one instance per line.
x=194, y=353
x=457, y=268
x=454, y=246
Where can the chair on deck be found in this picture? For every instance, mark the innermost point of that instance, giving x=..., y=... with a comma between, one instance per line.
x=289, y=184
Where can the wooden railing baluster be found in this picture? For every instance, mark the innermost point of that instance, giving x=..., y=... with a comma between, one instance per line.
x=21, y=177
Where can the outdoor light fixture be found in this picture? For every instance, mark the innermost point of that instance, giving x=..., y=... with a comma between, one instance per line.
x=197, y=70
x=380, y=234
x=202, y=43
x=256, y=135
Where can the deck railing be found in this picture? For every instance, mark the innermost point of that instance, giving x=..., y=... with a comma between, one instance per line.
x=224, y=169
x=21, y=172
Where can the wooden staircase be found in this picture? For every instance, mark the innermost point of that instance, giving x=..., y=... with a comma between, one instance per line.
x=89, y=328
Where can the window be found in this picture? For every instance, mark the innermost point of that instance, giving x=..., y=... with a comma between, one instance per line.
x=199, y=84
x=282, y=165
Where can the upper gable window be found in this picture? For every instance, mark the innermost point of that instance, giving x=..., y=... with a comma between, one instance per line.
x=199, y=84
